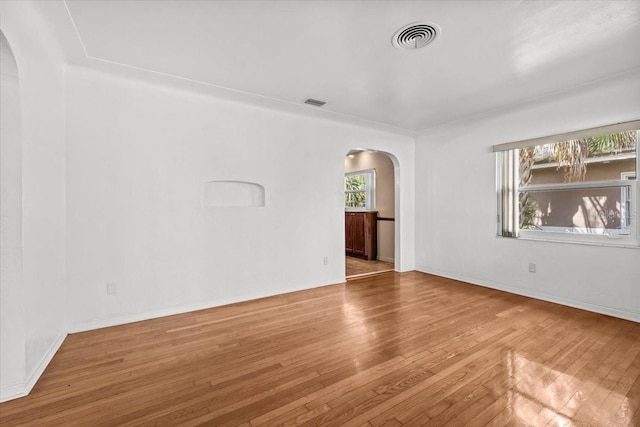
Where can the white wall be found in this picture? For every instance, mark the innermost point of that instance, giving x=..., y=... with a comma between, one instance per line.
x=456, y=206
x=12, y=352
x=41, y=293
x=137, y=156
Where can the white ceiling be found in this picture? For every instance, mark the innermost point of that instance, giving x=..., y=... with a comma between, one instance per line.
x=490, y=55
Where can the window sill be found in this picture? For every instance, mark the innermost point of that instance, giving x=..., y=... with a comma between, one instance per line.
x=603, y=241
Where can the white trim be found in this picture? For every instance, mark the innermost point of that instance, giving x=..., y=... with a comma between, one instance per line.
x=611, y=233
x=391, y=260
x=22, y=389
x=137, y=317
x=507, y=181
x=615, y=241
x=596, y=308
x=574, y=185
x=624, y=199
x=580, y=134
x=13, y=391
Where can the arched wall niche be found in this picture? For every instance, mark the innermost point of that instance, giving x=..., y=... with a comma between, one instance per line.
x=232, y=194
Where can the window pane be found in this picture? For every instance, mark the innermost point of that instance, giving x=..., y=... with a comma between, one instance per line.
x=355, y=182
x=356, y=199
x=359, y=190
x=584, y=211
x=599, y=158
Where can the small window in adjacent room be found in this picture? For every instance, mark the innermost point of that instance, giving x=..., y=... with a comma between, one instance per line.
x=359, y=190
x=580, y=186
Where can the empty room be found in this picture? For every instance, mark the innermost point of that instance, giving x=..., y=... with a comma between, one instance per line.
x=319, y=213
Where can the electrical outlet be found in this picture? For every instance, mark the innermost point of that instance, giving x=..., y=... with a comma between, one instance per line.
x=325, y=260
x=111, y=288
x=532, y=267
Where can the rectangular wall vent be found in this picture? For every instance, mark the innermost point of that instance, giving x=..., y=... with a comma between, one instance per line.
x=314, y=102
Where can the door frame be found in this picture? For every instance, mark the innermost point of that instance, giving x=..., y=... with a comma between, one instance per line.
x=397, y=250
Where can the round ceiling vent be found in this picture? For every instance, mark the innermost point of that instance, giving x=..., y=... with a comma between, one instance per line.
x=415, y=36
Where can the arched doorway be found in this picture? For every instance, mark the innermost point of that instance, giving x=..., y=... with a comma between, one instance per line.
x=371, y=212
x=12, y=357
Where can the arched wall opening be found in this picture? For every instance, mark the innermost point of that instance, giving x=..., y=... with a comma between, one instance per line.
x=385, y=170
x=12, y=334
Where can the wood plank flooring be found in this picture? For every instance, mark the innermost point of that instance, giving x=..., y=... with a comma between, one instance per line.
x=394, y=349
x=356, y=267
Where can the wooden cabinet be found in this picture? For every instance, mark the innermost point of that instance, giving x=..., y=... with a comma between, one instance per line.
x=361, y=234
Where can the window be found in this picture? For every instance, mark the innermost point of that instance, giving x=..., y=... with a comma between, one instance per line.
x=359, y=190
x=580, y=186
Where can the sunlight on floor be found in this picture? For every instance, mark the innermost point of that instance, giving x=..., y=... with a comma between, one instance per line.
x=541, y=394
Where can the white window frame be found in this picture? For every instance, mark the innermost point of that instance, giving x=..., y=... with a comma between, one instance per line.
x=508, y=192
x=370, y=190
x=624, y=200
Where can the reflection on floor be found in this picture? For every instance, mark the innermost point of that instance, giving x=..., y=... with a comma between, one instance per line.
x=394, y=349
x=357, y=267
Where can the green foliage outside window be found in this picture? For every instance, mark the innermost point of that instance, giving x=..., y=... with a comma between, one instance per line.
x=355, y=195
x=571, y=156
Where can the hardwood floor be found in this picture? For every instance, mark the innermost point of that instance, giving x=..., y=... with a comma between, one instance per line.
x=389, y=350
x=356, y=267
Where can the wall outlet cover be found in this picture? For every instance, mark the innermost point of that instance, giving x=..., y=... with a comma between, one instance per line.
x=111, y=288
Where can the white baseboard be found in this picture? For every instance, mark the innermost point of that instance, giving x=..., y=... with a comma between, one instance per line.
x=22, y=389
x=391, y=260
x=12, y=391
x=609, y=311
x=17, y=390
x=170, y=311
